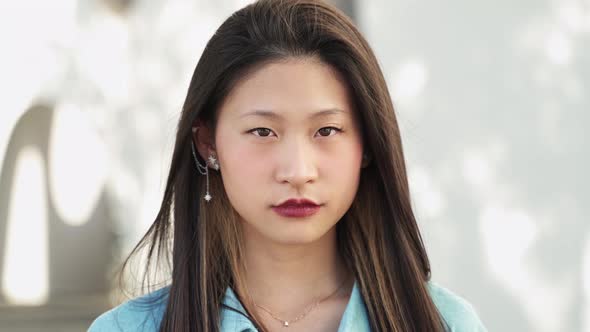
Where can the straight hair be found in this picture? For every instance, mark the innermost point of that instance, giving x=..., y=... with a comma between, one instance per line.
x=378, y=237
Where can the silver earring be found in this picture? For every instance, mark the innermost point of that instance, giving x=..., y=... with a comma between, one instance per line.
x=204, y=170
x=213, y=162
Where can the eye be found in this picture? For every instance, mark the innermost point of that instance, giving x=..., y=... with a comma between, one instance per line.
x=327, y=131
x=262, y=132
x=266, y=132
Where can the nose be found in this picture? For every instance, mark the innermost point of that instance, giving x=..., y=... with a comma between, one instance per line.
x=297, y=165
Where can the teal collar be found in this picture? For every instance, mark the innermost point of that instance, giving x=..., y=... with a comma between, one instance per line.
x=354, y=318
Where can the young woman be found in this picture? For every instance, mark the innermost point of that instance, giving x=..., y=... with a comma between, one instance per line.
x=287, y=205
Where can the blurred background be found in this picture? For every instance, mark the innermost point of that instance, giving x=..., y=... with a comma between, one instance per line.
x=492, y=100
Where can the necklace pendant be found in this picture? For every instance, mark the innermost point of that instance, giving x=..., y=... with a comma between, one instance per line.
x=285, y=324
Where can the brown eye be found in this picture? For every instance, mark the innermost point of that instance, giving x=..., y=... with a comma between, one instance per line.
x=326, y=131
x=262, y=132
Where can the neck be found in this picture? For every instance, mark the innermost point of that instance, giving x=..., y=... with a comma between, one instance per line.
x=285, y=278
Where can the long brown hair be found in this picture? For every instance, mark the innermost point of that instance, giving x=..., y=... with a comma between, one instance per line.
x=378, y=236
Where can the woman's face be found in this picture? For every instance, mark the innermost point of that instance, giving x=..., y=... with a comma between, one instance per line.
x=288, y=130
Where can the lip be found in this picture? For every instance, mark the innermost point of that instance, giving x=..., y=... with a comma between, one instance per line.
x=297, y=208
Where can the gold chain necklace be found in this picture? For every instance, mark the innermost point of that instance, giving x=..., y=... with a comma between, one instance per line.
x=286, y=323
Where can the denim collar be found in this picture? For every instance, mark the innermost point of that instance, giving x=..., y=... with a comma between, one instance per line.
x=354, y=318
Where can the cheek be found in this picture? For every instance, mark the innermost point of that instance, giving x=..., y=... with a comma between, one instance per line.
x=242, y=171
x=343, y=161
x=244, y=159
x=342, y=173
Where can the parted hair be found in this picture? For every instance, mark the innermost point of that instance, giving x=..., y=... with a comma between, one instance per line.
x=378, y=237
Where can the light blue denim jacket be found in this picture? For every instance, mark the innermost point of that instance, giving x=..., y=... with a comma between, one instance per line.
x=134, y=316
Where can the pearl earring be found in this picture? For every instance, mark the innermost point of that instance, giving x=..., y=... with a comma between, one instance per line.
x=204, y=170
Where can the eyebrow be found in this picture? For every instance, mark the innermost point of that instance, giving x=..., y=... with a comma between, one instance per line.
x=273, y=115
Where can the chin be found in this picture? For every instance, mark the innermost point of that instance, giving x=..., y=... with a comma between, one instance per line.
x=297, y=235
x=291, y=232
x=295, y=240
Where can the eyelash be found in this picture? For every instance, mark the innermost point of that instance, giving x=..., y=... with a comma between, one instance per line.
x=337, y=130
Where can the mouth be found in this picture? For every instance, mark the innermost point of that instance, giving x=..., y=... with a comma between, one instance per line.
x=294, y=208
x=296, y=211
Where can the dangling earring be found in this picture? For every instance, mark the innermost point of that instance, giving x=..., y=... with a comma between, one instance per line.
x=213, y=162
x=204, y=170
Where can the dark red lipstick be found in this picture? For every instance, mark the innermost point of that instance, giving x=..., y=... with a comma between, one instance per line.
x=297, y=208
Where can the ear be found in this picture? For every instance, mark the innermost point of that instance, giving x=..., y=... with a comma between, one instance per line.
x=203, y=140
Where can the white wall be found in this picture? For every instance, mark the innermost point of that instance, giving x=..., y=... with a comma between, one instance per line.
x=90, y=94
x=493, y=102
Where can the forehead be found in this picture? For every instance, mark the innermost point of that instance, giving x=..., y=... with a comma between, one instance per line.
x=290, y=87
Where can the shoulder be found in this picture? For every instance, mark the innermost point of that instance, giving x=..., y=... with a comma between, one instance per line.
x=459, y=314
x=143, y=313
